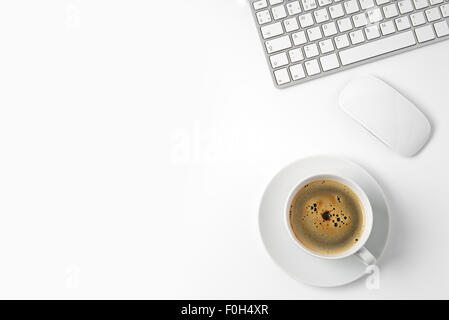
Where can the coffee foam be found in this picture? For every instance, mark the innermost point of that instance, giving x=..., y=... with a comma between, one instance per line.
x=326, y=216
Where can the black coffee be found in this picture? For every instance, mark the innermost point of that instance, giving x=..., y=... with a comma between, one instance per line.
x=326, y=216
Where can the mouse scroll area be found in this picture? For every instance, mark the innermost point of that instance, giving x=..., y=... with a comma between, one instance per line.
x=387, y=114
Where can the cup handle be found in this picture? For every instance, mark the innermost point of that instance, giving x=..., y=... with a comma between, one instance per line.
x=366, y=256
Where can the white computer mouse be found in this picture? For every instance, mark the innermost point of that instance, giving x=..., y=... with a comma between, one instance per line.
x=387, y=114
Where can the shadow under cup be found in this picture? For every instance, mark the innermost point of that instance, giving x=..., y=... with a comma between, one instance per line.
x=366, y=212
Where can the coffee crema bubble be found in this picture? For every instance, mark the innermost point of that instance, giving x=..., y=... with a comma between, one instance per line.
x=326, y=216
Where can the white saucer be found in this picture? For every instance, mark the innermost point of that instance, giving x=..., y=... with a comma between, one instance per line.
x=295, y=261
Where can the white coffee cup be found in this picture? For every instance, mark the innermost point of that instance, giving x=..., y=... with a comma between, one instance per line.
x=358, y=248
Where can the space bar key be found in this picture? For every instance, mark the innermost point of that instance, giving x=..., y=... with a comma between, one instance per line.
x=377, y=48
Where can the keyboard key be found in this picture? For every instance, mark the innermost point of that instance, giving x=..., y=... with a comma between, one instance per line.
x=433, y=14
x=357, y=37
x=323, y=3
x=434, y=2
x=344, y=24
x=279, y=60
x=372, y=32
x=293, y=8
x=260, y=4
x=390, y=11
x=314, y=34
x=381, y=2
x=297, y=72
x=311, y=50
x=326, y=46
x=329, y=62
x=337, y=11
x=351, y=6
x=273, y=2
x=442, y=29
x=374, y=15
x=308, y=4
x=278, y=44
x=366, y=4
x=329, y=29
x=299, y=38
x=279, y=12
x=445, y=10
x=377, y=48
x=272, y=30
x=296, y=55
x=321, y=15
x=405, y=6
x=282, y=76
x=312, y=67
x=291, y=24
x=418, y=19
x=263, y=17
x=421, y=4
x=403, y=23
x=387, y=27
x=425, y=33
x=306, y=20
x=342, y=41
x=360, y=20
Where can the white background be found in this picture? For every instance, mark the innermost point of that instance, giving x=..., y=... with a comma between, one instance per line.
x=137, y=137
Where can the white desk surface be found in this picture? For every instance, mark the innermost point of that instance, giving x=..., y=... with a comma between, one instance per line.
x=135, y=147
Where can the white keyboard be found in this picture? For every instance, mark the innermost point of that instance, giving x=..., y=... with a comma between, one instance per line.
x=307, y=39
